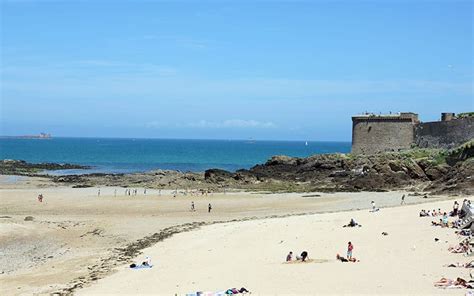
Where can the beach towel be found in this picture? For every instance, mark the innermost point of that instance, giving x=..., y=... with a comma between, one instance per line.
x=141, y=266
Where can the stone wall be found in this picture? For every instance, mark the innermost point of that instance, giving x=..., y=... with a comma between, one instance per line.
x=372, y=135
x=444, y=134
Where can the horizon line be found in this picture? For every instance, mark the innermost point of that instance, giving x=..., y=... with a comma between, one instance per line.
x=22, y=137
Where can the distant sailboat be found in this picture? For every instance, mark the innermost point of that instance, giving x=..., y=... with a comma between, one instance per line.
x=250, y=141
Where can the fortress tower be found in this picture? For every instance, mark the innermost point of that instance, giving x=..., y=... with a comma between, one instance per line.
x=389, y=132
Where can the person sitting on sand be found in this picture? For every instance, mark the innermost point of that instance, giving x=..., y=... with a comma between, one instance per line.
x=352, y=223
x=447, y=283
x=423, y=213
x=40, y=197
x=434, y=223
x=147, y=261
x=303, y=256
x=289, y=257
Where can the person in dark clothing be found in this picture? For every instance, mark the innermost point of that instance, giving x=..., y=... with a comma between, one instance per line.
x=209, y=208
x=303, y=256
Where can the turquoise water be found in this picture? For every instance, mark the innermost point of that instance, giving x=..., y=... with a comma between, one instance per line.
x=107, y=155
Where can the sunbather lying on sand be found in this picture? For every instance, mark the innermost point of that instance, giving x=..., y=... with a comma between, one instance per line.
x=450, y=284
x=342, y=259
x=463, y=247
x=235, y=291
x=466, y=265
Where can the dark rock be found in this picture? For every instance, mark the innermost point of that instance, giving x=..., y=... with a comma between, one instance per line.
x=217, y=175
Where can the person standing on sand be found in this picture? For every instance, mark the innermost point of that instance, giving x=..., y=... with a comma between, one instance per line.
x=289, y=257
x=98, y=193
x=144, y=191
x=192, y=206
x=350, y=247
x=209, y=208
x=115, y=193
x=403, y=200
x=373, y=205
x=40, y=197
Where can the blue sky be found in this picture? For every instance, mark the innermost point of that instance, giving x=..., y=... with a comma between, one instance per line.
x=288, y=70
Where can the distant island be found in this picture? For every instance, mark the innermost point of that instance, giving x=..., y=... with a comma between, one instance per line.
x=40, y=136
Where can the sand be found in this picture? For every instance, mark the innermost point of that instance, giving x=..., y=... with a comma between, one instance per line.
x=83, y=243
x=250, y=254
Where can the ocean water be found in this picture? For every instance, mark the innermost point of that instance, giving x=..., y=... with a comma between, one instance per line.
x=107, y=155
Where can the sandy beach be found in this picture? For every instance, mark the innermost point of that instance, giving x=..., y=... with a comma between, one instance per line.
x=82, y=243
x=251, y=254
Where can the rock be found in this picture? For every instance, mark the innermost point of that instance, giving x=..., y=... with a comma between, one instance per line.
x=396, y=166
x=414, y=170
x=436, y=172
x=217, y=175
x=29, y=218
x=281, y=160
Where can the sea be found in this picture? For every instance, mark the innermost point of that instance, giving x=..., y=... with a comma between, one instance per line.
x=106, y=155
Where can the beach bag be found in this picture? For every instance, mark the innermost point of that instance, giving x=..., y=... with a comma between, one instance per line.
x=133, y=265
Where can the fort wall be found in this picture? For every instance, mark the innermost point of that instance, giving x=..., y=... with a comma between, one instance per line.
x=444, y=134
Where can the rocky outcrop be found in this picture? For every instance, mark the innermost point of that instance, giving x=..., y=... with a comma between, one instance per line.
x=423, y=168
x=23, y=168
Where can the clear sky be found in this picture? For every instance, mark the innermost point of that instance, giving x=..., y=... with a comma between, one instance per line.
x=229, y=69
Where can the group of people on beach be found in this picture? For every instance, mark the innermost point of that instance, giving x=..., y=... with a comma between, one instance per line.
x=463, y=247
x=304, y=255
x=429, y=213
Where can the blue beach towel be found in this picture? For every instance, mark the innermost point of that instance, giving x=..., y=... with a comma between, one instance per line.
x=142, y=266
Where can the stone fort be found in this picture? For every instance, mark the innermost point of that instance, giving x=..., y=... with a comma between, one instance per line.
x=395, y=132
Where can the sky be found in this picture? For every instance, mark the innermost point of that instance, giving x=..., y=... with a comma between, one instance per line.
x=276, y=70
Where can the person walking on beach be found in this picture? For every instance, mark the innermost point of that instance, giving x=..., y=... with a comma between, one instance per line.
x=115, y=193
x=144, y=191
x=209, y=208
x=289, y=257
x=350, y=247
x=373, y=205
x=98, y=193
x=403, y=200
x=192, y=206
